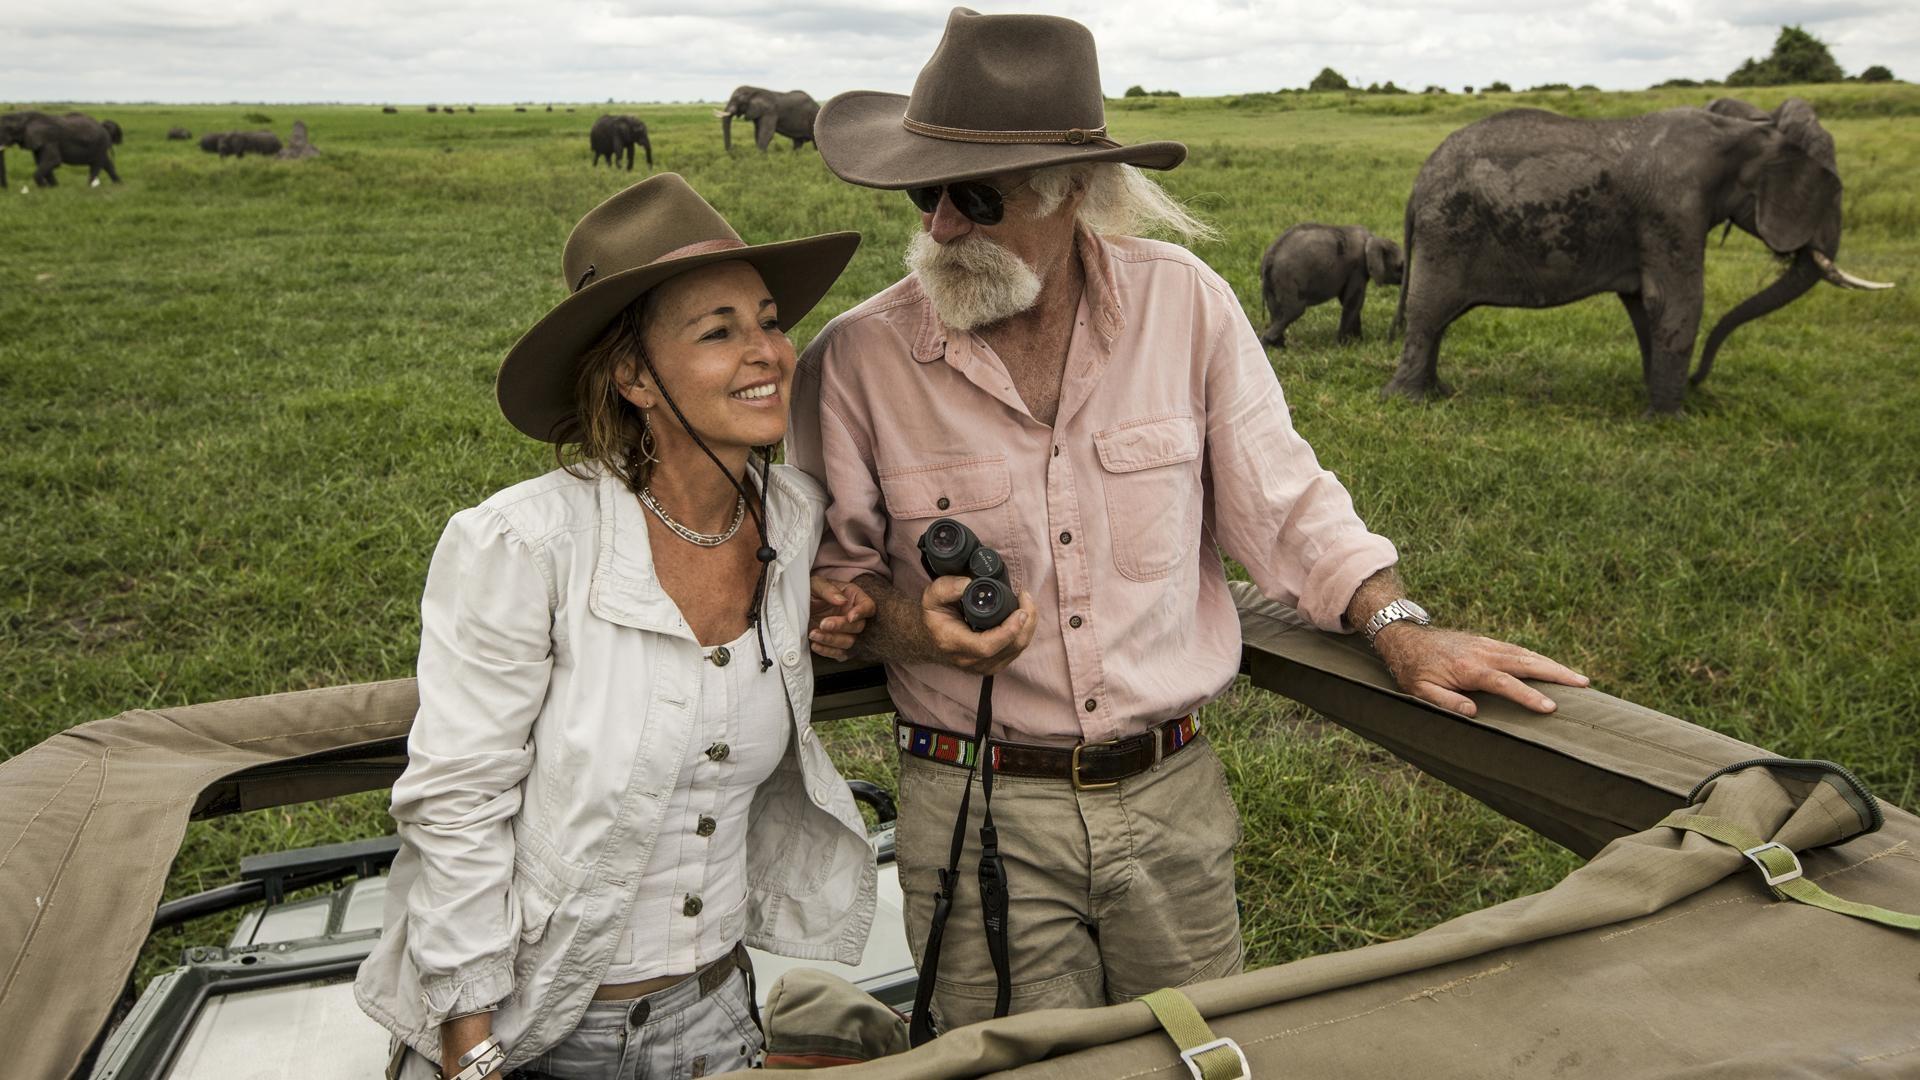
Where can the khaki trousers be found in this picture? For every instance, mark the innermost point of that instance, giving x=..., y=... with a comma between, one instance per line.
x=1114, y=893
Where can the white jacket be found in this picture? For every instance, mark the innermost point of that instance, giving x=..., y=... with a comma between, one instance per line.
x=557, y=687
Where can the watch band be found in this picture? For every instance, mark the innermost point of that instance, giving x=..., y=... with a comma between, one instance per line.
x=1402, y=610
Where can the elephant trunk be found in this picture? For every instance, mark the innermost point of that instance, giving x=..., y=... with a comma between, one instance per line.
x=726, y=131
x=3, y=168
x=1804, y=274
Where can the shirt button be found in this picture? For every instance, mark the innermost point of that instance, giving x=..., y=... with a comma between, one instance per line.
x=1056, y=450
x=820, y=796
x=1092, y=704
x=942, y=502
x=1066, y=538
x=791, y=658
x=706, y=826
x=720, y=656
x=1074, y=622
x=718, y=751
x=806, y=733
x=691, y=907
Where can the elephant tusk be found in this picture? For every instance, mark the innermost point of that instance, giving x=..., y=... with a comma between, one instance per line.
x=721, y=114
x=1843, y=279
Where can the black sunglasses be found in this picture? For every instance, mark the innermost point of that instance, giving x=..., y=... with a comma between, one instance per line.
x=977, y=202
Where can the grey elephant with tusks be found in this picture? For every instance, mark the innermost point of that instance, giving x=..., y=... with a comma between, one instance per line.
x=74, y=139
x=1311, y=264
x=790, y=114
x=1530, y=209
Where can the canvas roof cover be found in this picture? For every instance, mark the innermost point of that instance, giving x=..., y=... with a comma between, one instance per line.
x=1663, y=956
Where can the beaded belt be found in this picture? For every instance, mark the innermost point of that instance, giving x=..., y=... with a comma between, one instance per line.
x=1087, y=765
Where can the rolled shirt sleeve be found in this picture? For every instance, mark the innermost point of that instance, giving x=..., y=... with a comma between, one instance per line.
x=1273, y=508
x=485, y=658
x=825, y=447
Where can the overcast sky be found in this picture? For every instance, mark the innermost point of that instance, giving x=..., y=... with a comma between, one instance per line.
x=641, y=50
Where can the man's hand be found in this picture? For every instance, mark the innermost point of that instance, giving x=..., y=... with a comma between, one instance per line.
x=837, y=615
x=1438, y=666
x=983, y=652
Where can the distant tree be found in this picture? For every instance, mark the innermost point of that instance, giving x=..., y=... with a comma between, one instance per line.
x=1498, y=87
x=1798, y=57
x=1589, y=88
x=1466, y=89
x=1388, y=88
x=1876, y=73
x=1549, y=86
x=1136, y=90
x=1432, y=89
x=1329, y=79
x=1675, y=84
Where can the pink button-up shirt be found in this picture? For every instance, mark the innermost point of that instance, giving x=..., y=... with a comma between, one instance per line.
x=1171, y=445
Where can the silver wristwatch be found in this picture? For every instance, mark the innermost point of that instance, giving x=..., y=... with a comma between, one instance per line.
x=1402, y=609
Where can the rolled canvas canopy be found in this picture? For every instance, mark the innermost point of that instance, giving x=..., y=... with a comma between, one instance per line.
x=1665, y=955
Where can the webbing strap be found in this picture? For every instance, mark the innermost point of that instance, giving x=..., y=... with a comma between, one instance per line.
x=1209, y=1057
x=1782, y=869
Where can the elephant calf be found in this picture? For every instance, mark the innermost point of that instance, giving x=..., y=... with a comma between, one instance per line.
x=1311, y=264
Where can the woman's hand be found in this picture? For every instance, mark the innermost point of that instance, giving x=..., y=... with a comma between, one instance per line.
x=838, y=613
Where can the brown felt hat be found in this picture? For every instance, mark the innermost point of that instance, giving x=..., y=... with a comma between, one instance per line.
x=635, y=240
x=1003, y=93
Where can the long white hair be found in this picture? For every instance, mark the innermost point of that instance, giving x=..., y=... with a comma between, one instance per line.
x=1120, y=201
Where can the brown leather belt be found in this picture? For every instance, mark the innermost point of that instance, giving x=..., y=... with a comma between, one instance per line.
x=712, y=977
x=1087, y=765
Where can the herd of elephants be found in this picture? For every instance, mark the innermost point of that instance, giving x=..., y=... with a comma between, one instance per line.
x=1524, y=208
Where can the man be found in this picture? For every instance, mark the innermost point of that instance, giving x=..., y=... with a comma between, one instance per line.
x=1096, y=407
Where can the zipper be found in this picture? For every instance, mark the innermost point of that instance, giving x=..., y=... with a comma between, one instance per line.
x=1863, y=799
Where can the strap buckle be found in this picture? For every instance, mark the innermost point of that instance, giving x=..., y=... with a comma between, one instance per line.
x=1074, y=771
x=1193, y=1066
x=1773, y=879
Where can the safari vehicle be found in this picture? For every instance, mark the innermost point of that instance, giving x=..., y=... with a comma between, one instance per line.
x=1739, y=915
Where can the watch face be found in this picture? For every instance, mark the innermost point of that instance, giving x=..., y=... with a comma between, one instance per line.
x=1415, y=610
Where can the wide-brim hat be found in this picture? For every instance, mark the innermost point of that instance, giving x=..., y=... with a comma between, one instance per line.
x=635, y=240
x=1002, y=93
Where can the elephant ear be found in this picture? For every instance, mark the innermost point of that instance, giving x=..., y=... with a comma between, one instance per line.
x=1795, y=192
x=1797, y=121
x=1376, y=260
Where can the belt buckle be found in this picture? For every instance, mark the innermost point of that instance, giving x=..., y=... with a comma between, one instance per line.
x=1074, y=772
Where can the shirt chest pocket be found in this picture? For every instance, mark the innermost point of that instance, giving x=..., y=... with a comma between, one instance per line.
x=973, y=492
x=1152, y=482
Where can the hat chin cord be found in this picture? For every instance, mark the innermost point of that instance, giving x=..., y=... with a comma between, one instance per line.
x=766, y=554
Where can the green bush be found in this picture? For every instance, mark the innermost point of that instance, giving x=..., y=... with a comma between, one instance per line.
x=1549, y=86
x=257, y=118
x=1329, y=79
x=1498, y=87
x=1876, y=73
x=1798, y=58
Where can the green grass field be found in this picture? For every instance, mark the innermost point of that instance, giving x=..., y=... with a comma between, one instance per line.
x=242, y=397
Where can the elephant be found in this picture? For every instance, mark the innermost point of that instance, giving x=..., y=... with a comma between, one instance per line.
x=177, y=133
x=113, y=129
x=388, y=109
x=1530, y=209
x=53, y=141
x=614, y=135
x=1310, y=264
x=242, y=143
x=790, y=114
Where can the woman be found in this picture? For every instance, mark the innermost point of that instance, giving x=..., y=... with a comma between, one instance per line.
x=611, y=781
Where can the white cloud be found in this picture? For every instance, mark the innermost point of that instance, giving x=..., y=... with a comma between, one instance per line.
x=588, y=50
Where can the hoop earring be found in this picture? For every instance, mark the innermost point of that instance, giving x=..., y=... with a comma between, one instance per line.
x=647, y=442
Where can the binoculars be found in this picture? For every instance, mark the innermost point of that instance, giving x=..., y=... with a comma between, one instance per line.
x=949, y=549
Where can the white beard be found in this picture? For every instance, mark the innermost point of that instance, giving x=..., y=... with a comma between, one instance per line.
x=972, y=282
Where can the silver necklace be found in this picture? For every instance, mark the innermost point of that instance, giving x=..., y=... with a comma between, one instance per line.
x=689, y=535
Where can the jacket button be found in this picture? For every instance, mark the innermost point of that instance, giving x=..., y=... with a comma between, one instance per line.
x=1074, y=622
x=942, y=502
x=720, y=656
x=691, y=907
x=1092, y=704
x=706, y=826
x=1066, y=538
x=820, y=796
x=718, y=751
x=791, y=658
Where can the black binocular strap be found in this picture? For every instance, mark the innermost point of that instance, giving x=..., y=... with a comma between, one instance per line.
x=993, y=887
